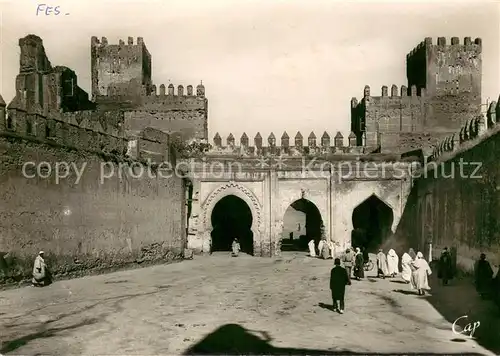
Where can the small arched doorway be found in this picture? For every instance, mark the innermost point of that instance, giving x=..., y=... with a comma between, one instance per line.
x=231, y=218
x=301, y=223
x=372, y=221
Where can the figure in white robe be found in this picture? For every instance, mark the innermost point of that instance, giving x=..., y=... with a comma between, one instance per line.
x=325, y=251
x=39, y=271
x=406, y=261
x=392, y=263
x=236, y=248
x=382, y=270
x=312, y=251
x=320, y=246
x=331, y=245
x=419, y=277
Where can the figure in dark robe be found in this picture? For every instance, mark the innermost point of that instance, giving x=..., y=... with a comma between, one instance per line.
x=338, y=281
x=359, y=271
x=484, y=276
x=366, y=255
x=445, y=269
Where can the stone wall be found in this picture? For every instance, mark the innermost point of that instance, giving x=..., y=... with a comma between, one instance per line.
x=455, y=201
x=108, y=216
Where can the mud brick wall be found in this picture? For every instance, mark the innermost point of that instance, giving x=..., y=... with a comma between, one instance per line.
x=460, y=211
x=85, y=225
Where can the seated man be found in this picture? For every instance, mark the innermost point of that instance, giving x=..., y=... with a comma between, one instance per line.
x=236, y=248
x=40, y=273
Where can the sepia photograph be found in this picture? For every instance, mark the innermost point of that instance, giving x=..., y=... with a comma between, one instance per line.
x=250, y=177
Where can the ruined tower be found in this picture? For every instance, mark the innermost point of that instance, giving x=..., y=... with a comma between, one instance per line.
x=120, y=69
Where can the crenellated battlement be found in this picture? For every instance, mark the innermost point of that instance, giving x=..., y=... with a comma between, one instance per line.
x=85, y=130
x=95, y=42
x=442, y=42
x=443, y=89
x=473, y=129
x=297, y=147
x=402, y=94
x=170, y=90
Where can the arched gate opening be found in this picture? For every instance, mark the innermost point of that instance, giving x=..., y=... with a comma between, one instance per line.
x=301, y=223
x=231, y=218
x=372, y=221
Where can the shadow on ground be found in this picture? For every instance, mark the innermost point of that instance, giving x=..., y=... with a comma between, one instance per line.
x=233, y=339
x=47, y=333
x=460, y=299
x=46, y=329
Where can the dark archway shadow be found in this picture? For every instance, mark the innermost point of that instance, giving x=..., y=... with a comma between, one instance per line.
x=233, y=339
x=232, y=218
x=297, y=240
x=371, y=221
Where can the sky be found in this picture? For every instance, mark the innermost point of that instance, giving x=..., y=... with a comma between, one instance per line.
x=267, y=66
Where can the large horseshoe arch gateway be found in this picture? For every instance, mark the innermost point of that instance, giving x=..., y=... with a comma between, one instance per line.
x=232, y=211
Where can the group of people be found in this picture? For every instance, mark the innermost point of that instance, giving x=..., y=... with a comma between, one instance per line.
x=326, y=249
x=415, y=271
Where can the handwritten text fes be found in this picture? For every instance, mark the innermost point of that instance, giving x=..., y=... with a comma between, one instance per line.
x=47, y=10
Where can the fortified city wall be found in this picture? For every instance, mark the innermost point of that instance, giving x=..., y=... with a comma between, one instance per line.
x=86, y=196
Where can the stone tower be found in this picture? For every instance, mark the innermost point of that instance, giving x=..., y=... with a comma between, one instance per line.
x=120, y=69
x=450, y=74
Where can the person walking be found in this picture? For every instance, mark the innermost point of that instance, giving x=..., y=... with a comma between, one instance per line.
x=419, y=277
x=483, y=276
x=359, y=271
x=392, y=263
x=406, y=261
x=445, y=269
x=348, y=261
x=338, y=280
x=382, y=270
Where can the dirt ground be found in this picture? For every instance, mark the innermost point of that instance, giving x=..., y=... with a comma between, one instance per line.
x=218, y=304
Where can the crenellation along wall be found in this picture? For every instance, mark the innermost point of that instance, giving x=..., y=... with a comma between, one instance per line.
x=288, y=146
x=87, y=130
x=108, y=215
x=454, y=201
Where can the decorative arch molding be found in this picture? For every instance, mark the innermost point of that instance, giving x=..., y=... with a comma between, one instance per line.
x=240, y=191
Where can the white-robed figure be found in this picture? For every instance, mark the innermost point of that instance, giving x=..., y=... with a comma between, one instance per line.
x=312, y=248
x=39, y=270
x=419, y=276
x=320, y=246
x=331, y=245
x=406, y=261
x=392, y=263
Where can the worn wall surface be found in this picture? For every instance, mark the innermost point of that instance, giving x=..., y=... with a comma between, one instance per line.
x=87, y=224
x=115, y=67
x=186, y=116
x=456, y=202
